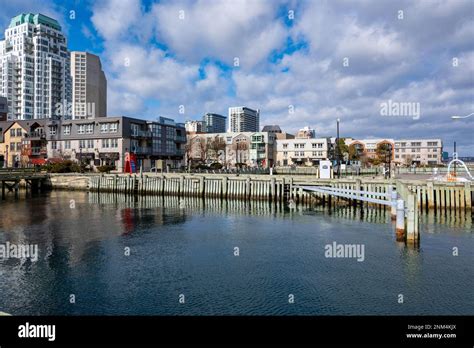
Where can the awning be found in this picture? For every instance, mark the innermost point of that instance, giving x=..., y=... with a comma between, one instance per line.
x=38, y=161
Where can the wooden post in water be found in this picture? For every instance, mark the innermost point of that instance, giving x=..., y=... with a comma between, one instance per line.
x=393, y=208
x=467, y=194
x=412, y=230
x=400, y=225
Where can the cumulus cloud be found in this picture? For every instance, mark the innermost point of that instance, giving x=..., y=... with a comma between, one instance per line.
x=182, y=52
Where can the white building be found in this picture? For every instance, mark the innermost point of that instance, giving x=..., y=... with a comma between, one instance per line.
x=419, y=151
x=34, y=67
x=302, y=151
x=243, y=119
x=89, y=91
x=194, y=126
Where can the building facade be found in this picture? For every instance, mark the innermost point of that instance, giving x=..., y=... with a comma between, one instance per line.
x=302, y=151
x=243, y=119
x=3, y=109
x=98, y=142
x=89, y=86
x=35, y=73
x=231, y=149
x=105, y=141
x=194, y=126
x=214, y=123
x=418, y=151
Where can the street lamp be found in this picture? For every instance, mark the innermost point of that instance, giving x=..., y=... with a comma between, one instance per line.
x=461, y=117
x=337, y=150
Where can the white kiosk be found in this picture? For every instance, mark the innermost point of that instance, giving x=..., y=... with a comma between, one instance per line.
x=325, y=169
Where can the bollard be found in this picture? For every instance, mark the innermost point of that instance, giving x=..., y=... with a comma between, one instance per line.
x=393, y=198
x=400, y=225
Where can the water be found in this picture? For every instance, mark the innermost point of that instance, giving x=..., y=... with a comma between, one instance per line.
x=187, y=247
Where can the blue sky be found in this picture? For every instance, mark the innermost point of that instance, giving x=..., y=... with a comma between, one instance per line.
x=303, y=63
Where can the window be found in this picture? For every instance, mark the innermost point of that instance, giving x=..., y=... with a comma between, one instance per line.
x=67, y=144
x=19, y=132
x=82, y=144
x=113, y=127
x=89, y=128
x=12, y=147
x=12, y=132
x=114, y=142
x=81, y=129
x=105, y=143
x=67, y=130
x=53, y=130
x=104, y=128
x=54, y=145
x=90, y=144
x=285, y=146
x=432, y=143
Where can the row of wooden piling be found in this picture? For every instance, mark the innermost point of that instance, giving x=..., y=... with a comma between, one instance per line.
x=429, y=195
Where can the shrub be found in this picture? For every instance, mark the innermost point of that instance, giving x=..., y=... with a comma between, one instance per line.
x=66, y=166
x=105, y=168
x=216, y=165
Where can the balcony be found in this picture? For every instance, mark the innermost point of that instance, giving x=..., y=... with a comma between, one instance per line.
x=141, y=134
x=35, y=135
x=142, y=150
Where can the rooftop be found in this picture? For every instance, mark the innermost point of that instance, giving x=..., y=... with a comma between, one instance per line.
x=36, y=19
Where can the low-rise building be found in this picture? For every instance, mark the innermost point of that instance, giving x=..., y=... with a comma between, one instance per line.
x=367, y=148
x=302, y=151
x=418, y=151
x=231, y=149
x=98, y=142
x=105, y=141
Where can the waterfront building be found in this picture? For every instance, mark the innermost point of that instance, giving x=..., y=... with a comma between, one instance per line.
x=214, y=123
x=194, y=126
x=89, y=86
x=243, y=119
x=231, y=149
x=105, y=141
x=35, y=73
x=3, y=109
x=418, y=151
x=302, y=151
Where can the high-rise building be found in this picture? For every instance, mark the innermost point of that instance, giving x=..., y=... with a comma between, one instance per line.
x=35, y=71
x=214, y=123
x=89, y=86
x=243, y=119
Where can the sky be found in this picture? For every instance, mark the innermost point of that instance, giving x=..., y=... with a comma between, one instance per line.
x=386, y=69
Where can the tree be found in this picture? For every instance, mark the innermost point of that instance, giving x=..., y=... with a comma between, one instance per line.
x=384, y=153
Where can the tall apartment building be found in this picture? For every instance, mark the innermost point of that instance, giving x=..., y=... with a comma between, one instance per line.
x=243, y=119
x=214, y=123
x=89, y=86
x=35, y=71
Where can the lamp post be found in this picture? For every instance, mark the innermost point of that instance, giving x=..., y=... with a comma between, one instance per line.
x=337, y=149
x=80, y=157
